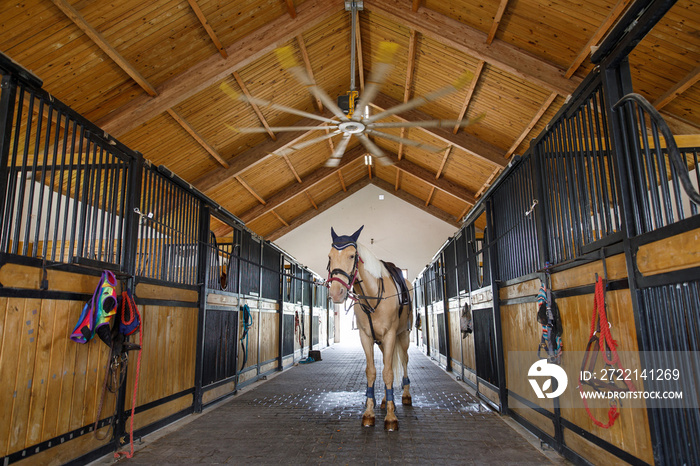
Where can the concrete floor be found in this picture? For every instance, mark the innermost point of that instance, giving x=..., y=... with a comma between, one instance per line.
x=310, y=414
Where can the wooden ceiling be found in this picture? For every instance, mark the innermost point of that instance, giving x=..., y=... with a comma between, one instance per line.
x=151, y=74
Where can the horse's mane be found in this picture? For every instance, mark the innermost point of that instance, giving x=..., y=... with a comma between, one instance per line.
x=373, y=266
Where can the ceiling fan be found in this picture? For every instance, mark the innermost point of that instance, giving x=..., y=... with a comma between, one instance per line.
x=351, y=111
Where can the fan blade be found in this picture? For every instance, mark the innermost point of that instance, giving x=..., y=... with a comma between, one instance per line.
x=408, y=142
x=276, y=129
x=430, y=97
x=374, y=150
x=285, y=55
x=380, y=71
x=428, y=123
x=302, y=145
x=267, y=103
x=337, y=154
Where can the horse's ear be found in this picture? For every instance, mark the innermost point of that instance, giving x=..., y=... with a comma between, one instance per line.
x=333, y=235
x=357, y=234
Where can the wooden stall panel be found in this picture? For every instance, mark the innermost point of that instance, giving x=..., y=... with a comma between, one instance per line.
x=51, y=385
x=631, y=430
x=269, y=335
x=675, y=253
x=250, y=343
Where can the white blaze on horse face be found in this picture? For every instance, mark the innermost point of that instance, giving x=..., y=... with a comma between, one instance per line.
x=345, y=261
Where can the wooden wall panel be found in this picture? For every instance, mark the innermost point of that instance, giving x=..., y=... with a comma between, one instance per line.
x=252, y=344
x=269, y=336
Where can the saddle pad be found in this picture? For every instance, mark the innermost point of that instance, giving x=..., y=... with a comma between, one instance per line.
x=397, y=276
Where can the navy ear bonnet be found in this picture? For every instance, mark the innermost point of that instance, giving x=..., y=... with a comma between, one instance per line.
x=342, y=242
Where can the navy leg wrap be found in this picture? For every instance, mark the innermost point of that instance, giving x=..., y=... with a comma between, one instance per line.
x=370, y=393
x=405, y=381
x=390, y=394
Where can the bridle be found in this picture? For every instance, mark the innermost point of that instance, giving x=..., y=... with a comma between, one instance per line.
x=351, y=277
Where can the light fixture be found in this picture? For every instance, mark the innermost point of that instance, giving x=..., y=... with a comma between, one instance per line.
x=368, y=159
x=381, y=197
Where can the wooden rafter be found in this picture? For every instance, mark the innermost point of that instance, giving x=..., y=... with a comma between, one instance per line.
x=464, y=212
x=342, y=180
x=532, y=123
x=678, y=89
x=464, y=141
x=322, y=207
x=496, y=21
x=250, y=190
x=598, y=35
x=102, y=43
x=309, y=181
x=369, y=171
x=212, y=35
x=444, y=161
x=469, y=40
x=311, y=200
x=291, y=168
x=307, y=64
x=430, y=196
x=416, y=5
x=416, y=202
x=470, y=93
x=279, y=218
x=197, y=137
x=290, y=7
x=398, y=179
x=276, y=33
x=486, y=185
x=255, y=108
x=410, y=69
x=253, y=156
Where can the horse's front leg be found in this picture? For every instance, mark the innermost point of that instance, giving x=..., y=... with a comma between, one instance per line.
x=391, y=422
x=371, y=372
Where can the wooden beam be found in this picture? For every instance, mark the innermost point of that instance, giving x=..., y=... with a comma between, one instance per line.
x=611, y=19
x=342, y=181
x=444, y=161
x=678, y=89
x=255, y=108
x=416, y=5
x=470, y=93
x=464, y=141
x=291, y=9
x=532, y=123
x=486, y=185
x=251, y=190
x=496, y=21
x=276, y=33
x=410, y=68
x=102, y=43
x=291, y=168
x=212, y=35
x=369, y=171
x=471, y=41
x=309, y=70
x=398, y=176
x=416, y=202
x=428, y=177
x=253, y=156
x=309, y=181
x=311, y=200
x=280, y=218
x=430, y=196
x=322, y=207
x=197, y=137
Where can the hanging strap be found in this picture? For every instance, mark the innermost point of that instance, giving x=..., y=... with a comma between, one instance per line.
x=600, y=340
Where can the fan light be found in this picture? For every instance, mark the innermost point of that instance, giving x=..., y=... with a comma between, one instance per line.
x=368, y=159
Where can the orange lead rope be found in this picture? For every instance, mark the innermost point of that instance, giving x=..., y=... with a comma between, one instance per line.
x=600, y=321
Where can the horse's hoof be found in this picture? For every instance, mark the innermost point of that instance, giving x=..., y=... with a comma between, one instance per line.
x=367, y=421
x=383, y=405
x=406, y=400
x=391, y=426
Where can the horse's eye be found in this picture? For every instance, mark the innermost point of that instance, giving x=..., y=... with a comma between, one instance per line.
x=352, y=257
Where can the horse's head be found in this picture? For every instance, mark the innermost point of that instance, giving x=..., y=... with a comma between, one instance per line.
x=342, y=265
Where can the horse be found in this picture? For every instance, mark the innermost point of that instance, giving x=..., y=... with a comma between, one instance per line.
x=382, y=312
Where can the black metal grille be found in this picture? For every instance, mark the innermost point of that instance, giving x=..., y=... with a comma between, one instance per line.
x=450, y=270
x=270, y=273
x=168, y=245
x=250, y=264
x=515, y=230
x=66, y=188
x=580, y=177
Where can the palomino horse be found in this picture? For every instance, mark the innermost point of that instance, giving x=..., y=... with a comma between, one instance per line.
x=383, y=315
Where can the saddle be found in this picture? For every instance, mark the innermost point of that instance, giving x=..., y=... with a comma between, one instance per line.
x=403, y=294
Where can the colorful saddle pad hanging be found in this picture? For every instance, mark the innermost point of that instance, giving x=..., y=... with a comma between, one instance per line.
x=98, y=312
x=549, y=319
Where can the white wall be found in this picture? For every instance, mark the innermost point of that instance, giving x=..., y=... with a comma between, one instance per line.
x=402, y=233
